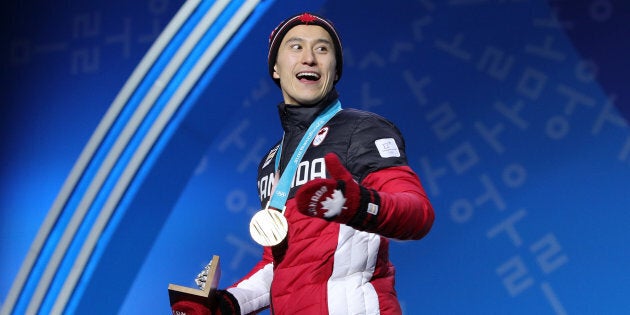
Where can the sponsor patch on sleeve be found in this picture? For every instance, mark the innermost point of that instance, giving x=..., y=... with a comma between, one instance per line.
x=387, y=148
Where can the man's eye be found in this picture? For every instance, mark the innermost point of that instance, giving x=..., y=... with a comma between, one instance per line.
x=322, y=49
x=296, y=46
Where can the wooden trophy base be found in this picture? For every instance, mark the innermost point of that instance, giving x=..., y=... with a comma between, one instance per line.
x=178, y=293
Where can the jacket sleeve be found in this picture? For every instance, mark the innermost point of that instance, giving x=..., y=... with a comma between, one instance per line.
x=405, y=212
x=252, y=291
x=377, y=159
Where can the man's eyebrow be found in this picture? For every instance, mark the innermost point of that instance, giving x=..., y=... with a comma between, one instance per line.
x=300, y=39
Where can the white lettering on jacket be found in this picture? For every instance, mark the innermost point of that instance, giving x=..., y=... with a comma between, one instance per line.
x=306, y=170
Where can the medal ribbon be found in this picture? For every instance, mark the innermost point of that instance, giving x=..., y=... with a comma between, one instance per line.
x=281, y=193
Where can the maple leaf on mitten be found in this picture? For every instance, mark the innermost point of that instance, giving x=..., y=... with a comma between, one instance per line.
x=339, y=198
x=334, y=204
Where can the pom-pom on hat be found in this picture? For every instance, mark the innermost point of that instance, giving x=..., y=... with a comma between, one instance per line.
x=302, y=19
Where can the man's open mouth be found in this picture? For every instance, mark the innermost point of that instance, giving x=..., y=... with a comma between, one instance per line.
x=311, y=76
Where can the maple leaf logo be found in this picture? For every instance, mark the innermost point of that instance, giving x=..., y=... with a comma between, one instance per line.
x=307, y=18
x=334, y=204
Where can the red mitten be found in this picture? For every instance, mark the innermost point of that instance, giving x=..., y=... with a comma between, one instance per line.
x=340, y=198
x=190, y=308
x=224, y=303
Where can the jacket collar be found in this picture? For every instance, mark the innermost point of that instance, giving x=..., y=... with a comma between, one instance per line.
x=300, y=117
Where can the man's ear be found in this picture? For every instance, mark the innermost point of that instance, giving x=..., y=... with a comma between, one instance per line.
x=275, y=72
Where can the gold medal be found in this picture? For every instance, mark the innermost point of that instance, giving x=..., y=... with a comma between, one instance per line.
x=268, y=227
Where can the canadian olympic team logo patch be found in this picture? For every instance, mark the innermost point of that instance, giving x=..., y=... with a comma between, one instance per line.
x=321, y=135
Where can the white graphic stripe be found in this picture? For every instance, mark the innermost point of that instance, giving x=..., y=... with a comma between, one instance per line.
x=90, y=150
x=156, y=129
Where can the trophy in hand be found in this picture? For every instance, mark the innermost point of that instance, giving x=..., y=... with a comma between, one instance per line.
x=207, y=280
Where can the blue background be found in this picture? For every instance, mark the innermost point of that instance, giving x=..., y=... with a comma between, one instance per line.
x=514, y=112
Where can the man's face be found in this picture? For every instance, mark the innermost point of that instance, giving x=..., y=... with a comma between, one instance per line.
x=306, y=65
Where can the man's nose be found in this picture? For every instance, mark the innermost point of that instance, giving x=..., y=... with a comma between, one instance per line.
x=308, y=57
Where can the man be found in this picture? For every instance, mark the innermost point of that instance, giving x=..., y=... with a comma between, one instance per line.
x=347, y=189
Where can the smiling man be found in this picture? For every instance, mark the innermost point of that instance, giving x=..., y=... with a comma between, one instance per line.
x=334, y=190
x=306, y=65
